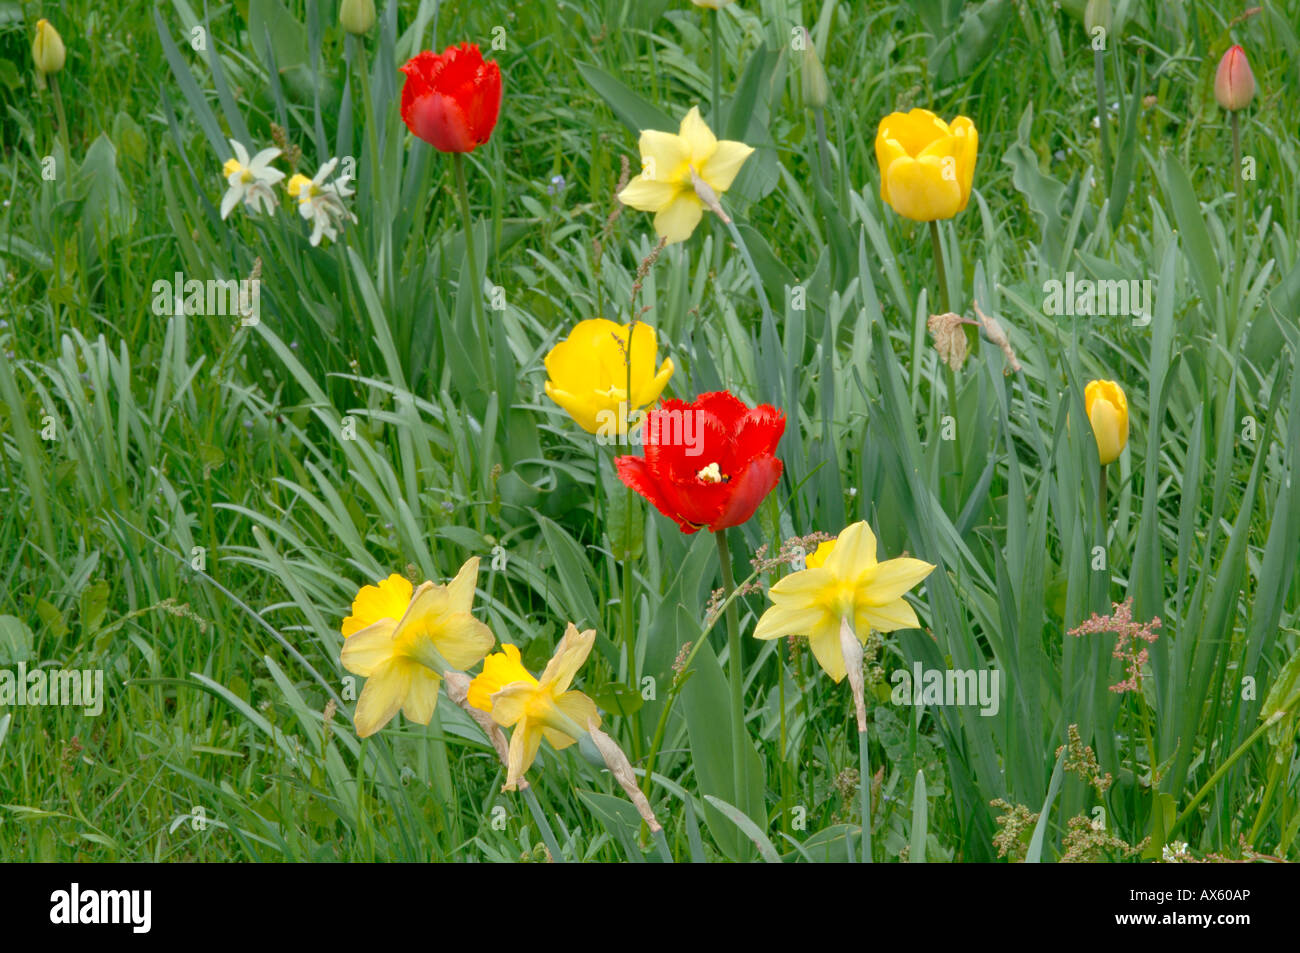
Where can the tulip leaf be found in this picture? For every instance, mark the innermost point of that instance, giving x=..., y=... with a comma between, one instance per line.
x=630, y=109
x=1204, y=264
x=916, y=853
x=704, y=701
x=750, y=829
x=617, y=698
x=574, y=573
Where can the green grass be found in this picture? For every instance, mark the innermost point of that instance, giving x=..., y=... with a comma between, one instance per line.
x=197, y=525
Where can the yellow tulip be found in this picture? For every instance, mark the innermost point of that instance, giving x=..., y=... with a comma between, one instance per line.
x=926, y=164
x=536, y=709
x=676, y=168
x=402, y=641
x=48, y=52
x=588, y=374
x=844, y=582
x=1107, y=409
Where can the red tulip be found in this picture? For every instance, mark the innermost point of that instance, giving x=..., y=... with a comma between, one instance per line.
x=451, y=101
x=707, y=463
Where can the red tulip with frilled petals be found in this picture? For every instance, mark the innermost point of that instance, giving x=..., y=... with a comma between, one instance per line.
x=708, y=463
x=451, y=100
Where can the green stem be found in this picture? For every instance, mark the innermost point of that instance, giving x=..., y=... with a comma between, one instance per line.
x=864, y=789
x=63, y=121
x=939, y=268
x=1274, y=771
x=717, y=72
x=471, y=254
x=736, y=672
x=1237, y=263
x=372, y=137
x=543, y=825
x=1099, y=72
x=1227, y=765
x=823, y=150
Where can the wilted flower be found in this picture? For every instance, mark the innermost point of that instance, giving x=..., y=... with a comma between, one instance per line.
x=250, y=180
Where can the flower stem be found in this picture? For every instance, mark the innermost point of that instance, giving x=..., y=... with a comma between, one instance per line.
x=823, y=149
x=543, y=825
x=63, y=121
x=372, y=138
x=717, y=71
x=939, y=268
x=1099, y=73
x=1237, y=214
x=864, y=789
x=736, y=673
x=471, y=254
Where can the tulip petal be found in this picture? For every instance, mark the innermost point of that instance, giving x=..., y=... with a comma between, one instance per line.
x=748, y=490
x=921, y=189
x=586, y=413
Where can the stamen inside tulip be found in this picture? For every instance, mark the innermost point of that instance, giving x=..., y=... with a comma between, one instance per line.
x=712, y=474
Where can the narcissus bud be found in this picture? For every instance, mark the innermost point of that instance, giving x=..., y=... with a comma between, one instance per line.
x=816, y=88
x=47, y=49
x=1097, y=14
x=1234, y=84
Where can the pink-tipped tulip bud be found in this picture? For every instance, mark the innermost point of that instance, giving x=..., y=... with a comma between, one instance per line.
x=1234, y=84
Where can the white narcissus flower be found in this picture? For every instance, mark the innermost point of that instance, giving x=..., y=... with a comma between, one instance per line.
x=250, y=180
x=322, y=204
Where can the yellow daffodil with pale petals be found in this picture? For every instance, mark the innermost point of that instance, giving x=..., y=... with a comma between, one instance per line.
x=843, y=581
x=673, y=166
x=588, y=374
x=1107, y=409
x=402, y=641
x=535, y=708
x=926, y=165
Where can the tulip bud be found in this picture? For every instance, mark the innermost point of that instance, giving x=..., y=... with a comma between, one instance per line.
x=47, y=49
x=816, y=88
x=1097, y=14
x=1234, y=84
x=1107, y=409
x=357, y=16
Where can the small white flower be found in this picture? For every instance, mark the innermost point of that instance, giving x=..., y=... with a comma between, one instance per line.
x=320, y=203
x=250, y=180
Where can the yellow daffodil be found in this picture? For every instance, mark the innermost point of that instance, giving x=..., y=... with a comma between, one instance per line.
x=48, y=52
x=926, y=164
x=680, y=173
x=536, y=709
x=402, y=641
x=588, y=374
x=1107, y=409
x=843, y=582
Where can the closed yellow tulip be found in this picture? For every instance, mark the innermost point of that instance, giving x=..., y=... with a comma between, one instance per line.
x=588, y=374
x=1107, y=409
x=48, y=52
x=926, y=164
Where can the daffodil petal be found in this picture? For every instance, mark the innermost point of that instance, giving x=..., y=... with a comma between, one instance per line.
x=721, y=168
x=826, y=649
x=778, y=621
x=677, y=220
x=524, y=742
x=422, y=697
x=383, y=696
x=364, y=651
x=894, y=577
x=887, y=618
x=647, y=195
x=854, y=552
x=698, y=137
x=569, y=656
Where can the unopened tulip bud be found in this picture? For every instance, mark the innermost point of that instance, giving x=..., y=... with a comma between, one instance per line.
x=1234, y=84
x=47, y=49
x=357, y=16
x=1097, y=14
x=816, y=88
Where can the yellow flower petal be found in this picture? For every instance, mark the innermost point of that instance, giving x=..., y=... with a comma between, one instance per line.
x=383, y=696
x=720, y=169
x=524, y=741
x=698, y=137
x=664, y=157
x=422, y=696
x=569, y=655
x=854, y=552
x=387, y=600
x=510, y=703
x=817, y=558
x=578, y=707
x=887, y=618
x=894, y=577
x=647, y=195
x=460, y=591
x=677, y=220
x=921, y=190
x=825, y=645
x=499, y=670
x=366, y=650
x=780, y=621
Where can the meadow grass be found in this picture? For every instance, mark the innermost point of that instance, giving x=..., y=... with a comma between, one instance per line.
x=184, y=509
